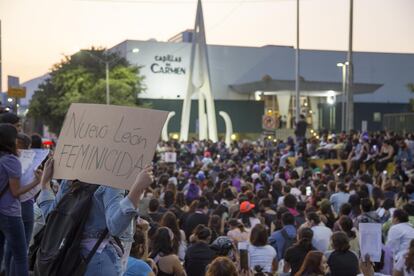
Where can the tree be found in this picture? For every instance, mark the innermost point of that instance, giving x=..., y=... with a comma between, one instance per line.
x=80, y=78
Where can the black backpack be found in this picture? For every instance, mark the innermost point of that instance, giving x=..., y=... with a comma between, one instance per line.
x=56, y=250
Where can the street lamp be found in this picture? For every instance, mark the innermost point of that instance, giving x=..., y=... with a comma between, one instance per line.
x=107, y=63
x=343, y=65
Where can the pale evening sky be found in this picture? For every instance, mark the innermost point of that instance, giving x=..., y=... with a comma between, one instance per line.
x=37, y=33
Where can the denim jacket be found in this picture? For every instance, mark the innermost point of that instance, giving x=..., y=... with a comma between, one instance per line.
x=110, y=209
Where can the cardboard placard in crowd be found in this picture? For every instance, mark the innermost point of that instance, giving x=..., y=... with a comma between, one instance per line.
x=31, y=160
x=107, y=145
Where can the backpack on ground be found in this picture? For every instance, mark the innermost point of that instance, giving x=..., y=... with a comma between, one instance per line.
x=57, y=250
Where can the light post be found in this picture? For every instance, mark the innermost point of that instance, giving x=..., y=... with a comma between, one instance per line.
x=107, y=63
x=343, y=98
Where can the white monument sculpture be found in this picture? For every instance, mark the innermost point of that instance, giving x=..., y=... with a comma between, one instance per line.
x=199, y=83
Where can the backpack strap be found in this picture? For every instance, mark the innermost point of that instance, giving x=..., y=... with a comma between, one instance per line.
x=97, y=244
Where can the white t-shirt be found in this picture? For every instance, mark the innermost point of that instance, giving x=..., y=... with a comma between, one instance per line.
x=262, y=256
x=321, y=237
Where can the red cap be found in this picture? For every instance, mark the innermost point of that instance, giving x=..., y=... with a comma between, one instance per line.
x=246, y=206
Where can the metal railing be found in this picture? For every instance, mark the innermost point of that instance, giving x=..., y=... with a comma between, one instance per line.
x=399, y=122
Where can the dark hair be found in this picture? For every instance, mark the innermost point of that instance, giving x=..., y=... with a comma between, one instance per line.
x=409, y=188
x=162, y=242
x=312, y=264
x=409, y=260
x=202, y=232
x=346, y=225
x=138, y=244
x=288, y=219
x=290, y=201
x=8, y=135
x=340, y=242
x=24, y=141
x=305, y=236
x=258, y=236
x=9, y=118
x=215, y=224
x=235, y=223
x=366, y=205
x=36, y=141
x=342, y=187
x=169, y=198
x=154, y=204
x=170, y=220
x=312, y=216
x=345, y=209
x=401, y=215
x=409, y=208
x=203, y=203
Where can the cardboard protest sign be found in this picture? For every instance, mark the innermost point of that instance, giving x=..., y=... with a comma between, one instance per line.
x=170, y=157
x=31, y=160
x=107, y=145
x=370, y=240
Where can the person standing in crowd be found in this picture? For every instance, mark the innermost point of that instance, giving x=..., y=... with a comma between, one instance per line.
x=339, y=198
x=179, y=243
x=199, y=254
x=136, y=266
x=295, y=255
x=237, y=232
x=282, y=239
x=247, y=216
x=162, y=252
x=222, y=266
x=400, y=234
x=11, y=226
x=404, y=265
x=313, y=265
x=261, y=255
x=321, y=233
x=198, y=217
x=342, y=261
x=300, y=130
x=111, y=210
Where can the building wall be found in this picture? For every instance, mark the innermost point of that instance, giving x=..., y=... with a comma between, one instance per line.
x=235, y=65
x=246, y=116
x=362, y=112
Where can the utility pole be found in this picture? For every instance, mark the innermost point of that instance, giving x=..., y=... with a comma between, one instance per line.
x=350, y=93
x=297, y=83
x=107, y=82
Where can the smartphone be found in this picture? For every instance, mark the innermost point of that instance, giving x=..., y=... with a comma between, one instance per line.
x=308, y=191
x=244, y=256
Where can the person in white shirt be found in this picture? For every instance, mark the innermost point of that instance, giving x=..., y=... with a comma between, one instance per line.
x=404, y=266
x=321, y=233
x=400, y=234
x=260, y=253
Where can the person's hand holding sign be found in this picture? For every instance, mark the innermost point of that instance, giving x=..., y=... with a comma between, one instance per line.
x=47, y=173
x=143, y=180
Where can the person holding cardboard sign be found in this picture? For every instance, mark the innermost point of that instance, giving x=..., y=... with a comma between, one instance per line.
x=11, y=226
x=111, y=211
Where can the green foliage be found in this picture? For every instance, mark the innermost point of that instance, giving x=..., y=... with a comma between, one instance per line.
x=80, y=78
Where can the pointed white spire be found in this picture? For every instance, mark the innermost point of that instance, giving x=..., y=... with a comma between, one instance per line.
x=199, y=82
